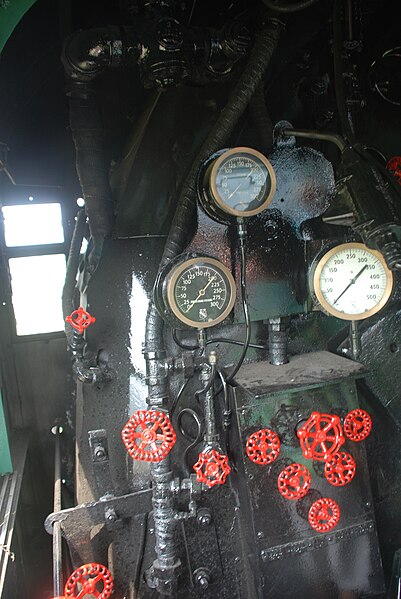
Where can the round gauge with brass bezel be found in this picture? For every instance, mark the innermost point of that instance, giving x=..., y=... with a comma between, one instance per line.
x=352, y=281
x=198, y=291
x=237, y=183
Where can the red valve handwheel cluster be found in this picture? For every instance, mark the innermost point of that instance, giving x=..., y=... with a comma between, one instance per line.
x=86, y=580
x=294, y=481
x=394, y=166
x=212, y=468
x=357, y=425
x=340, y=469
x=324, y=514
x=263, y=446
x=80, y=320
x=321, y=436
x=148, y=436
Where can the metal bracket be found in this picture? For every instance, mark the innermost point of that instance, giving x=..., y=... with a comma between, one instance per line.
x=78, y=523
x=100, y=459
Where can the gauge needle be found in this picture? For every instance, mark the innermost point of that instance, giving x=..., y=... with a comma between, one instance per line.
x=242, y=182
x=201, y=293
x=351, y=283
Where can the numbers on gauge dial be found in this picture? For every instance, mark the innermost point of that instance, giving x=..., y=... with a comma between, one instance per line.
x=241, y=182
x=353, y=280
x=201, y=293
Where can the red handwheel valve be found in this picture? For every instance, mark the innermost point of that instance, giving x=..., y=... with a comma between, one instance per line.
x=324, y=514
x=340, y=469
x=294, y=481
x=263, y=447
x=321, y=436
x=357, y=425
x=148, y=435
x=212, y=468
x=90, y=580
x=80, y=320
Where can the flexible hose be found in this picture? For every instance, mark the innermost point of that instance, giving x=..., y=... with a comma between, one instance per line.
x=289, y=7
x=67, y=298
x=338, y=75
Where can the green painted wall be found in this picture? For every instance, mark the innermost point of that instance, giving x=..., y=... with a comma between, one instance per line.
x=5, y=456
x=11, y=12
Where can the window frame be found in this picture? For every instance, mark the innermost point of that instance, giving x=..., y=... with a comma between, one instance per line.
x=18, y=196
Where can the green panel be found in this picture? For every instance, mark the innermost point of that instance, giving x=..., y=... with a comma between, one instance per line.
x=11, y=12
x=5, y=457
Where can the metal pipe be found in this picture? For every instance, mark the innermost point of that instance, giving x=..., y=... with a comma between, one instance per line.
x=57, y=537
x=311, y=134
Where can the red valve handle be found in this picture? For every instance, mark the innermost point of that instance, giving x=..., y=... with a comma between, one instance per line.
x=357, y=425
x=148, y=436
x=294, y=481
x=324, y=514
x=212, y=468
x=86, y=580
x=263, y=446
x=321, y=436
x=394, y=166
x=80, y=320
x=340, y=469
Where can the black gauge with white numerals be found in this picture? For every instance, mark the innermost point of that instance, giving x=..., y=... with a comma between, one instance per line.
x=200, y=292
x=352, y=282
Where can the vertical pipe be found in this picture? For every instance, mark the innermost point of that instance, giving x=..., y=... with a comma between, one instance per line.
x=57, y=540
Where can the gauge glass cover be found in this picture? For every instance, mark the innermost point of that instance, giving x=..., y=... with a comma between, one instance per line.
x=201, y=292
x=242, y=182
x=352, y=282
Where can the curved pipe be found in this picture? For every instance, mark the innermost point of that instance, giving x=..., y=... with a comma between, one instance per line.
x=289, y=8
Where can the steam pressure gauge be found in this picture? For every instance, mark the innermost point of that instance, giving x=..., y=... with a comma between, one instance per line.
x=352, y=282
x=198, y=292
x=237, y=183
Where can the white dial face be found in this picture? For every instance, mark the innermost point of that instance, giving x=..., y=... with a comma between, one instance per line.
x=352, y=282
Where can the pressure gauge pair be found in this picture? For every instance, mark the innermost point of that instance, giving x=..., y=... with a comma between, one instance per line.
x=195, y=291
x=236, y=184
x=351, y=281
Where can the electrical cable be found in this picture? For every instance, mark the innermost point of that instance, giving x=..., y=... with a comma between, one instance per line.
x=289, y=7
x=215, y=340
x=178, y=397
x=194, y=440
x=246, y=315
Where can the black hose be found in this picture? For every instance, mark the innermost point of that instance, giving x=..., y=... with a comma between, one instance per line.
x=248, y=82
x=92, y=166
x=341, y=101
x=289, y=7
x=262, y=120
x=67, y=298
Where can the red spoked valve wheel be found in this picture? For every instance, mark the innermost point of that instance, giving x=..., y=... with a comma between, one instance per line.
x=90, y=580
x=80, y=320
x=357, y=425
x=294, y=481
x=148, y=436
x=321, y=436
x=340, y=469
x=212, y=468
x=263, y=446
x=324, y=514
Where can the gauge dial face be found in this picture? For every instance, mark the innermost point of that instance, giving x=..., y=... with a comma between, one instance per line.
x=242, y=182
x=201, y=292
x=352, y=282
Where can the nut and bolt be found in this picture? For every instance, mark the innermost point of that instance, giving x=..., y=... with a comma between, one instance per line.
x=202, y=578
x=100, y=452
x=204, y=517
